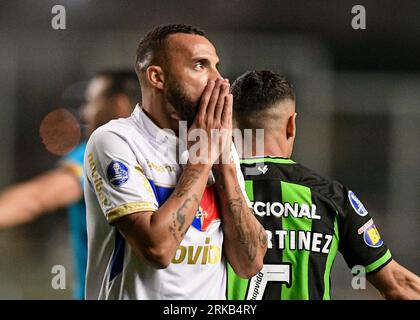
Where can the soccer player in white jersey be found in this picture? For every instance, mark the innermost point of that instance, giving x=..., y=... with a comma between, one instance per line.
x=157, y=228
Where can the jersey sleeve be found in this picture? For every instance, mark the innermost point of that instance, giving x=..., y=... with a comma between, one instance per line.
x=360, y=242
x=73, y=162
x=116, y=176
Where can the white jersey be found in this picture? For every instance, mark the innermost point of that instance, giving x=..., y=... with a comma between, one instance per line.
x=131, y=166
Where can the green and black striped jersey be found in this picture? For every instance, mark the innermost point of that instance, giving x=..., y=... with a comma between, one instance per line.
x=307, y=219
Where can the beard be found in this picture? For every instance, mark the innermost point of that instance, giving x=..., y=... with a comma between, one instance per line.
x=178, y=98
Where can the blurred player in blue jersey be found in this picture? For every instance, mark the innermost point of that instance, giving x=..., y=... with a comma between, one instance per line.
x=109, y=95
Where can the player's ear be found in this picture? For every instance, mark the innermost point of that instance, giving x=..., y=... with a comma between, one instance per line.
x=155, y=77
x=291, y=126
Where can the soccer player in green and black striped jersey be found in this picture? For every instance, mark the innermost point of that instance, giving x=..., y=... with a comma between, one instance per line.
x=308, y=218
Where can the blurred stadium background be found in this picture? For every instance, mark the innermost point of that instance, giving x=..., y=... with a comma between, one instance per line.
x=358, y=103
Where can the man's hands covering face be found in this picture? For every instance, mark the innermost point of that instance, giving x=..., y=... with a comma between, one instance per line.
x=210, y=135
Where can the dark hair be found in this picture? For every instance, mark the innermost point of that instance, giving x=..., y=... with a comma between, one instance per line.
x=256, y=91
x=151, y=49
x=123, y=82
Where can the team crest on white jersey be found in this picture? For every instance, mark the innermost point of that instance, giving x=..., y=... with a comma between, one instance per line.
x=117, y=173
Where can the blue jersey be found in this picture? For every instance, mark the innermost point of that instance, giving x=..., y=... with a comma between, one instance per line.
x=77, y=220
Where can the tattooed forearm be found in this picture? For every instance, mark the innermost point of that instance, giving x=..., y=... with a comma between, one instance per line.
x=245, y=237
x=235, y=208
x=172, y=230
x=178, y=219
x=188, y=178
x=262, y=237
x=180, y=214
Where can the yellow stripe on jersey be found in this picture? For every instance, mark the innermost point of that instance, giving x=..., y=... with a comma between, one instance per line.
x=129, y=208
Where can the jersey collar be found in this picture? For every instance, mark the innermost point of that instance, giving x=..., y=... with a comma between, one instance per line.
x=161, y=135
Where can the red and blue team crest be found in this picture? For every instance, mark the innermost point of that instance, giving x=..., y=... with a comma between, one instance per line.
x=207, y=211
